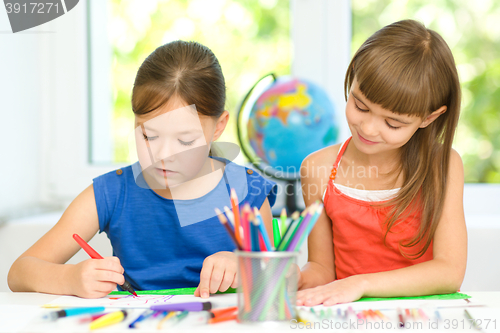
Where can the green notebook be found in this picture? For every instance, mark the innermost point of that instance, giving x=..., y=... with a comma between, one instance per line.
x=429, y=297
x=190, y=291
x=177, y=291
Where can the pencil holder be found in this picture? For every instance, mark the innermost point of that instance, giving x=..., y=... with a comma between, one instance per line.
x=267, y=286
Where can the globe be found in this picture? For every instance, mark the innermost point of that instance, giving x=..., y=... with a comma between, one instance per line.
x=285, y=121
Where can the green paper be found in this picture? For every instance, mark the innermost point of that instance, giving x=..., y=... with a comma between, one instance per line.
x=177, y=291
x=429, y=297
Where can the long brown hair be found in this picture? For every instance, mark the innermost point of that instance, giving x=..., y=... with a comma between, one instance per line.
x=409, y=69
x=187, y=70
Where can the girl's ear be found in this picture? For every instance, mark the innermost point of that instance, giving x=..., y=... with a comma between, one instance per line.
x=221, y=125
x=433, y=116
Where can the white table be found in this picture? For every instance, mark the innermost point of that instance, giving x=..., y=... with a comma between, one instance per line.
x=18, y=308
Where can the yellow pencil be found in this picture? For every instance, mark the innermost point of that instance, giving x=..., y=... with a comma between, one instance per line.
x=167, y=317
x=109, y=319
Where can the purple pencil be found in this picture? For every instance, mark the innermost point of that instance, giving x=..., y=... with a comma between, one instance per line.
x=189, y=306
x=302, y=227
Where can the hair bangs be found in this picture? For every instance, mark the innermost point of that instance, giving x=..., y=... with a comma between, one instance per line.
x=149, y=97
x=395, y=84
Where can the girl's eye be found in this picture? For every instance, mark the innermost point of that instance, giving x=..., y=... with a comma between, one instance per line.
x=392, y=127
x=186, y=143
x=360, y=109
x=149, y=138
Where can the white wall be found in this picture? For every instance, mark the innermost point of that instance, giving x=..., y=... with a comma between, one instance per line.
x=43, y=85
x=20, y=116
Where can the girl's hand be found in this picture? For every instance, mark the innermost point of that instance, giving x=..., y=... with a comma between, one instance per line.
x=94, y=278
x=339, y=291
x=218, y=273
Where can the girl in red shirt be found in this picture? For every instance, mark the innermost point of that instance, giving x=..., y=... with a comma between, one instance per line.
x=393, y=223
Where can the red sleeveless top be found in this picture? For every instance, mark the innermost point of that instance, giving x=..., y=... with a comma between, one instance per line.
x=358, y=233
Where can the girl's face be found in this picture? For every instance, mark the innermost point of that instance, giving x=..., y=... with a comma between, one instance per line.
x=375, y=129
x=173, y=142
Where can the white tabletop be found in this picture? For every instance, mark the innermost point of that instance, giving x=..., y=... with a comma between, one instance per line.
x=20, y=312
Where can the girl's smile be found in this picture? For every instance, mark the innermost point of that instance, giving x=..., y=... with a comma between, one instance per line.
x=368, y=142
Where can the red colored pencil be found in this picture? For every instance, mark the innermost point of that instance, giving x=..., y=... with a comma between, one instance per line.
x=94, y=255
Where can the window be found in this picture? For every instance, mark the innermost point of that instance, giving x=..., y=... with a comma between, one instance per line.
x=250, y=39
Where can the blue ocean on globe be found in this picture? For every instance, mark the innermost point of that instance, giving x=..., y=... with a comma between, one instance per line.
x=290, y=120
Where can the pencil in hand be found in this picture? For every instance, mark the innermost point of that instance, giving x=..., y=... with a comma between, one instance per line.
x=94, y=255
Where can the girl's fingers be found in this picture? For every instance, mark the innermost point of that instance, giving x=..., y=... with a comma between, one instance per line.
x=216, y=279
x=205, y=275
x=227, y=281
x=110, y=264
x=109, y=276
x=105, y=287
x=235, y=283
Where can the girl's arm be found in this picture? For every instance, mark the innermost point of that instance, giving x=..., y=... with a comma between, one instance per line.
x=41, y=268
x=443, y=274
x=219, y=270
x=315, y=172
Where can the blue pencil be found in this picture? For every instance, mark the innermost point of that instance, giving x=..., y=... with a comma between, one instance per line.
x=254, y=234
x=262, y=228
x=144, y=315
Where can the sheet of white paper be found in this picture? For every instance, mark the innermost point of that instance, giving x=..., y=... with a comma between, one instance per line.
x=13, y=318
x=488, y=319
x=141, y=301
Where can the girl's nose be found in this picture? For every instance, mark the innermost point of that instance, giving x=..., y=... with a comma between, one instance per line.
x=369, y=127
x=164, y=152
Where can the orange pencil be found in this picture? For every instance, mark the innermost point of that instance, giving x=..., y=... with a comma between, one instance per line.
x=223, y=318
x=224, y=311
x=236, y=213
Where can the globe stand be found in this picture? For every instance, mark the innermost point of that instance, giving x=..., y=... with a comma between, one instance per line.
x=291, y=196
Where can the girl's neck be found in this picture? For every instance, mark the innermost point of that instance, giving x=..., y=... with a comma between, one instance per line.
x=369, y=171
x=385, y=161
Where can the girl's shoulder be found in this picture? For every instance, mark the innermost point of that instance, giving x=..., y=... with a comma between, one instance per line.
x=324, y=157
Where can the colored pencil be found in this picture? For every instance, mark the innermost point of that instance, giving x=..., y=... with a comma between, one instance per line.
x=229, y=215
x=283, y=218
x=310, y=226
x=247, y=240
x=167, y=317
x=236, y=214
x=223, y=220
x=254, y=232
x=223, y=311
x=294, y=239
x=94, y=255
x=262, y=228
x=276, y=233
x=291, y=230
x=222, y=318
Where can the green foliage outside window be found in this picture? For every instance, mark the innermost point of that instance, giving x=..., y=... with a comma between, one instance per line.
x=249, y=37
x=252, y=38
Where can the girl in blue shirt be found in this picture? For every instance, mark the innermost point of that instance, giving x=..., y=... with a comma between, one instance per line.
x=159, y=212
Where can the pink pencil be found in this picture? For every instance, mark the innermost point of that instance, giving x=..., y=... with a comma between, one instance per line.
x=247, y=241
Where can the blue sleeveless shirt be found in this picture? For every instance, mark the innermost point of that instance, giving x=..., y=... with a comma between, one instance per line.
x=161, y=242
